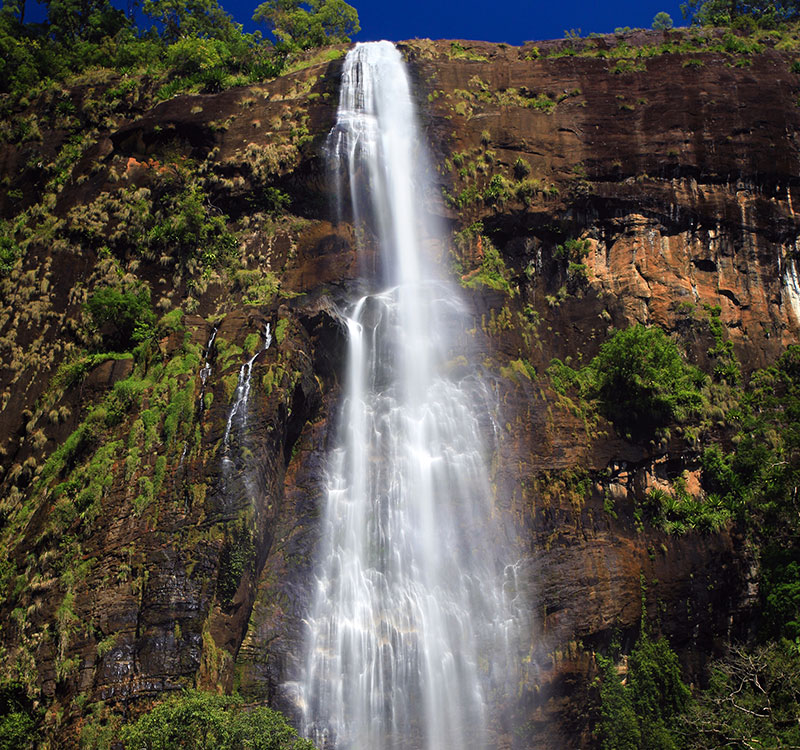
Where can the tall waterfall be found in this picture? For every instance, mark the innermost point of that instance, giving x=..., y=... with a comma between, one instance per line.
x=408, y=631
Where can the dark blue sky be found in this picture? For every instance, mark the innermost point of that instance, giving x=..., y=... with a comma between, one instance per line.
x=511, y=21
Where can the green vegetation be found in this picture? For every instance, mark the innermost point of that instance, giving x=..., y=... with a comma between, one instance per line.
x=458, y=51
x=639, y=381
x=195, y=43
x=643, y=711
x=492, y=271
x=643, y=382
x=677, y=511
x=238, y=553
x=765, y=14
x=205, y=721
x=172, y=222
x=573, y=252
x=127, y=313
x=18, y=718
x=736, y=43
x=752, y=701
x=662, y=21
x=301, y=25
x=10, y=251
x=757, y=480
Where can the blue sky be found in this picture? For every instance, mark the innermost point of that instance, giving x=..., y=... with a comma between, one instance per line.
x=510, y=21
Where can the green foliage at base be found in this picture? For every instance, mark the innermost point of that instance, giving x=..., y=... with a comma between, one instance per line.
x=752, y=701
x=205, y=721
x=758, y=480
x=18, y=719
x=641, y=713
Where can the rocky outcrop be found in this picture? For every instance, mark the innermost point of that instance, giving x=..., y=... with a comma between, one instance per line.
x=151, y=542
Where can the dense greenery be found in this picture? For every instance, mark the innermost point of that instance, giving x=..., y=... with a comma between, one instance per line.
x=750, y=476
x=189, y=38
x=741, y=13
x=300, y=25
x=124, y=315
x=643, y=382
x=17, y=717
x=639, y=380
x=204, y=721
x=758, y=479
x=642, y=712
x=752, y=701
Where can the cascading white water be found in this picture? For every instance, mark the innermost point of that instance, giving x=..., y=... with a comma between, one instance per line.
x=238, y=414
x=409, y=612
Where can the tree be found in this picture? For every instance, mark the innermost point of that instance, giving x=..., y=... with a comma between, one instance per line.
x=765, y=13
x=182, y=19
x=642, y=712
x=642, y=381
x=89, y=20
x=18, y=718
x=205, y=721
x=662, y=21
x=128, y=313
x=752, y=701
x=301, y=25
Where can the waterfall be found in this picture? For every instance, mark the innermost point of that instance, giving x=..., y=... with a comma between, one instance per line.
x=408, y=630
x=238, y=414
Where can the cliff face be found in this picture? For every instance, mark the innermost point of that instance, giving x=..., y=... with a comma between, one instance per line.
x=152, y=541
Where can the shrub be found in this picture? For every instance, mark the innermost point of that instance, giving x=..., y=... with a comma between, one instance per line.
x=642, y=381
x=205, y=721
x=123, y=316
x=18, y=719
x=662, y=21
x=10, y=251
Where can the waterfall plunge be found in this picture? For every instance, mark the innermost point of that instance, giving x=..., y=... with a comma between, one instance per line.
x=410, y=627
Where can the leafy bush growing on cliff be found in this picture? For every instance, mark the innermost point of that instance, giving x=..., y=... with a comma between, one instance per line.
x=643, y=382
x=639, y=381
x=18, y=718
x=121, y=315
x=205, y=721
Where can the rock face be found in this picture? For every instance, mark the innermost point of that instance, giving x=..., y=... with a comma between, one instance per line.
x=145, y=551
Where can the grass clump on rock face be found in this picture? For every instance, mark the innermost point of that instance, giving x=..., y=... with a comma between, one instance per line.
x=205, y=721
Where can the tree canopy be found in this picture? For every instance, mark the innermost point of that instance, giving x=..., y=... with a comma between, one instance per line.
x=191, y=18
x=643, y=382
x=765, y=13
x=185, y=39
x=301, y=25
x=204, y=721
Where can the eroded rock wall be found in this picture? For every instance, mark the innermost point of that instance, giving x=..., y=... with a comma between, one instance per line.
x=191, y=563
